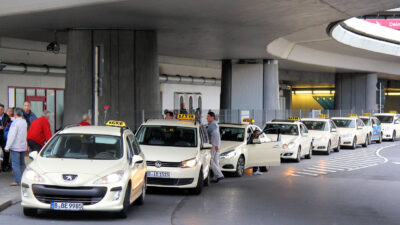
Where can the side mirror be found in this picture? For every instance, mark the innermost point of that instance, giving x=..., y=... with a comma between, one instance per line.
x=33, y=155
x=206, y=146
x=137, y=159
x=360, y=128
x=333, y=130
x=256, y=141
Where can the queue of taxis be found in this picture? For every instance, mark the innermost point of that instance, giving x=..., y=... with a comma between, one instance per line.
x=295, y=137
x=352, y=131
x=390, y=125
x=86, y=168
x=242, y=149
x=324, y=133
x=374, y=127
x=177, y=153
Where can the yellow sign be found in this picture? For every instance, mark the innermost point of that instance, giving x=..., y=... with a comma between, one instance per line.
x=323, y=116
x=294, y=118
x=248, y=120
x=367, y=114
x=116, y=123
x=186, y=117
x=393, y=111
x=352, y=115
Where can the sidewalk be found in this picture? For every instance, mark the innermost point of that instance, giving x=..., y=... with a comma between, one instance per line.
x=8, y=195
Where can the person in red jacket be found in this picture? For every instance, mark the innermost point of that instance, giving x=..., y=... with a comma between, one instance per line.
x=86, y=119
x=39, y=132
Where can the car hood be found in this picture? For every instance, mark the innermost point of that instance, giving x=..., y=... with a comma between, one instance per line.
x=168, y=154
x=316, y=134
x=386, y=125
x=229, y=145
x=285, y=139
x=343, y=131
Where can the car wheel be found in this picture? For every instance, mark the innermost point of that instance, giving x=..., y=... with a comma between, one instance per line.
x=337, y=149
x=30, y=212
x=309, y=155
x=199, y=187
x=264, y=169
x=366, y=141
x=354, y=143
x=206, y=182
x=380, y=138
x=328, y=149
x=298, y=155
x=140, y=200
x=240, y=167
x=124, y=212
x=370, y=139
x=394, y=136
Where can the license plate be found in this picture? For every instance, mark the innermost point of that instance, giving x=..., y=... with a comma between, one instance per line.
x=158, y=174
x=68, y=206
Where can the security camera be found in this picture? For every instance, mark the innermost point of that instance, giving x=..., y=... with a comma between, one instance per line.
x=53, y=47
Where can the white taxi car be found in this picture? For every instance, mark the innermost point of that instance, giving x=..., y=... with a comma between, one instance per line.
x=239, y=152
x=296, y=140
x=374, y=128
x=390, y=125
x=177, y=152
x=352, y=131
x=324, y=134
x=89, y=168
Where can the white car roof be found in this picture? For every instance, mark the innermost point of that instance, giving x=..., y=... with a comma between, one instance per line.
x=164, y=122
x=234, y=125
x=103, y=130
x=385, y=114
x=367, y=117
x=344, y=118
x=315, y=119
x=283, y=122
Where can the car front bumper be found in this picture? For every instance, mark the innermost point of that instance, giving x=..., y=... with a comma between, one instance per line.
x=346, y=141
x=179, y=177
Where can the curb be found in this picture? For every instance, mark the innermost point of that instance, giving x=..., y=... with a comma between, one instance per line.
x=8, y=203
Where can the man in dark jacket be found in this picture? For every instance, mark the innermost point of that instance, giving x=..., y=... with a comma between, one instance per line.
x=4, y=121
x=29, y=116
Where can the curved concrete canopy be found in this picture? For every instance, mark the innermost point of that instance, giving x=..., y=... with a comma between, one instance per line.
x=205, y=29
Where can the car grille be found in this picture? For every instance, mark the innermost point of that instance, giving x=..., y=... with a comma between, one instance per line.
x=85, y=195
x=169, y=181
x=164, y=164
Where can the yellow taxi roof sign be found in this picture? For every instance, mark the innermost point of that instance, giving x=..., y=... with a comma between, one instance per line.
x=393, y=111
x=116, y=123
x=323, y=116
x=293, y=118
x=352, y=115
x=247, y=120
x=186, y=117
x=367, y=114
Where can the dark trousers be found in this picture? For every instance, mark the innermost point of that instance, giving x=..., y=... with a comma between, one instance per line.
x=34, y=146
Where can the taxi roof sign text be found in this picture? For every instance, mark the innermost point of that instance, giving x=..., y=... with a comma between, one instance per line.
x=293, y=118
x=248, y=120
x=393, y=111
x=116, y=123
x=323, y=116
x=352, y=115
x=186, y=117
x=367, y=114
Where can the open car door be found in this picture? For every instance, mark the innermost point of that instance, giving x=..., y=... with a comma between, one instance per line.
x=264, y=154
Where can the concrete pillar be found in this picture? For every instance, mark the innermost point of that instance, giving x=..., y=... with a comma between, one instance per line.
x=271, y=85
x=226, y=85
x=355, y=92
x=127, y=70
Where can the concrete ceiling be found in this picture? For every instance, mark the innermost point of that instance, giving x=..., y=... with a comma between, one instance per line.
x=206, y=29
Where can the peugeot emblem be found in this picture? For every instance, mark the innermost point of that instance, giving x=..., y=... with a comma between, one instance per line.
x=158, y=164
x=69, y=177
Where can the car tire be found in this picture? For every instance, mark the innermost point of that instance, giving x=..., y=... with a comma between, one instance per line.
x=380, y=139
x=140, y=200
x=337, y=149
x=366, y=141
x=264, y=169
x=328, y=149
x=29, y=212
x=354, y=143
x=394, y=136
x=298, y=159
x=240, y=167
x=309, y=155
x=206, y=182
x=199, y=187
x=124, y=212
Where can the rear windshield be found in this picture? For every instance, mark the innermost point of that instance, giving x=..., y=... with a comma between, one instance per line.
x=285, y=129
x=167, y=136
x=84, y=146
x=316, y=125
x=345, y=123
x=232, y=134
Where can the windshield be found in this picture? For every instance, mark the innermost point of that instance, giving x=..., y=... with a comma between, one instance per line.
x=316, y=125
x=167, y=136
x=84, y=146
x=345, y=123
x=385, y=119
x=232, y=134
x=366, y=121
x=285, y=129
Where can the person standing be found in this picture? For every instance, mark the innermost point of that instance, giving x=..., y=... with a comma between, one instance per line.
x=183, y=109
x=215, y=141
x=169, y=115
x=39, y=133
x=86, y=120
x=17, y=145
x=255, y=135
x=28, y=114
x=4, y=121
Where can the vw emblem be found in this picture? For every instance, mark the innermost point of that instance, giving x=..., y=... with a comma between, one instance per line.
x=69, y=177
x=158, y=164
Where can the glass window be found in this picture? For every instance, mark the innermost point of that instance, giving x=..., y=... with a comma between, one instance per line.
x=366, y=121
x=345, y=123
x=360, y=123
x=20, y=97
x=59, y=108
x=40, y=92
x=30, y=92
x=135, y=145
x=199, y=103
x=11, y=97
x=333, y=125
x=130, y=148
x=50, y=105
x=84, y=146
x=191, y=104
x=316, y=125
x=203, y=131
x=168, y=136
x=284, y=129
x=232, y=134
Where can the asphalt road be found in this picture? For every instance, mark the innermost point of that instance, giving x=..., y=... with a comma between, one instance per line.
x=350, y=187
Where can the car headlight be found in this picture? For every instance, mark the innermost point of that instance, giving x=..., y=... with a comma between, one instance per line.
x=32, y=175
x=228, y=154
x=111, y=178
x=190, y=163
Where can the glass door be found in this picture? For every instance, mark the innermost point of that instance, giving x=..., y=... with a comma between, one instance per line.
x=38, y=104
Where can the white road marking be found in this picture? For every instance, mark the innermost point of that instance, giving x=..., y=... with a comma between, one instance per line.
x=311, y=174
x=398, y=163
x=379, y=151
x=313, y=171
x=322, y=169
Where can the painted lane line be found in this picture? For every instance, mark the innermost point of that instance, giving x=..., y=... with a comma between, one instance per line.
x=313, y=171
x=311, y=174
x=322, y=169
x=398, y=163
x=379, y=151
x=357, y=168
